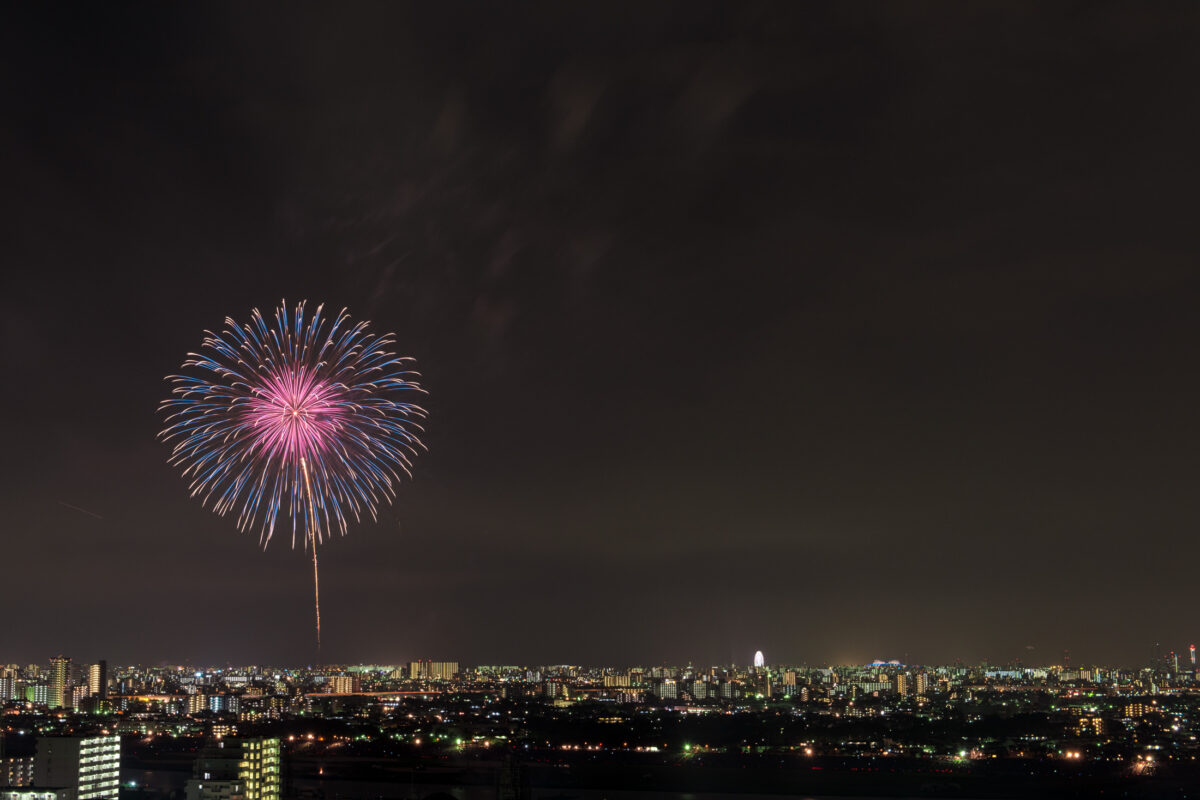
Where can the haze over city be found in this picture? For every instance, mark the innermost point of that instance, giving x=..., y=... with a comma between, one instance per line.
x=838, y=333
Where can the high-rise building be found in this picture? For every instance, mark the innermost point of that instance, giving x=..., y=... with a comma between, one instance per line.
x=260, y=768
x=91, y=766
x=442, y=670
x=57, y=689
x=900, y=683
x=343, y=684
x=7, y=688
x=432, y=670
x=98, y=679
x=922, y=683
x=245, y=769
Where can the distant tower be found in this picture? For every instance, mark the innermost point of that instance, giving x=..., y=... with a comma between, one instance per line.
x=759, y=661
x=1192, y=648
x=57, y=693
x=98, y=679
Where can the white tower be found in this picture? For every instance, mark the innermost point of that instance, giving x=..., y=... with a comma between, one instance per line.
x=759, y=661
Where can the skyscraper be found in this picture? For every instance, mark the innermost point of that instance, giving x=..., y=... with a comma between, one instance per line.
x=98, y=679
x=90, y=766
x=57, y=690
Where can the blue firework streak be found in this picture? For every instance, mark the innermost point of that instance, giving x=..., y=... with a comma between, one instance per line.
x=305, y=415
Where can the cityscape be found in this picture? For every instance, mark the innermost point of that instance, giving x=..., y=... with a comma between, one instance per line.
x=78, y=730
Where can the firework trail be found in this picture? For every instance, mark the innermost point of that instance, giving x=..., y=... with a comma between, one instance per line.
x=304, y=416
x=80, y=510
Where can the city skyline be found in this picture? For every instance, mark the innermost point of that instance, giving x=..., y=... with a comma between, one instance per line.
x=96, y=671
x=745, y=327
x=268, y=732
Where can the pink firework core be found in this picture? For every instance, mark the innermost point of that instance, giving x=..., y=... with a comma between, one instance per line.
x=294, y=415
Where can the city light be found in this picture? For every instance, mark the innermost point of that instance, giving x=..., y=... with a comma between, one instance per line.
x=448, y=710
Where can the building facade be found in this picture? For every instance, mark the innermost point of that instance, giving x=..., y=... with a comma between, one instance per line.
x=59, y=686
x=245, y=769
x=90, y=766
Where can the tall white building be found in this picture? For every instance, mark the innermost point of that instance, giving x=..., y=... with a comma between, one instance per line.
x=91, y=766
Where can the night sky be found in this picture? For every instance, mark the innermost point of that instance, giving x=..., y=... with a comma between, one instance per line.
x=843, y=331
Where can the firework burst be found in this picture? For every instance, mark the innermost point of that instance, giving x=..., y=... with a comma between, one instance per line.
x=306, y=416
